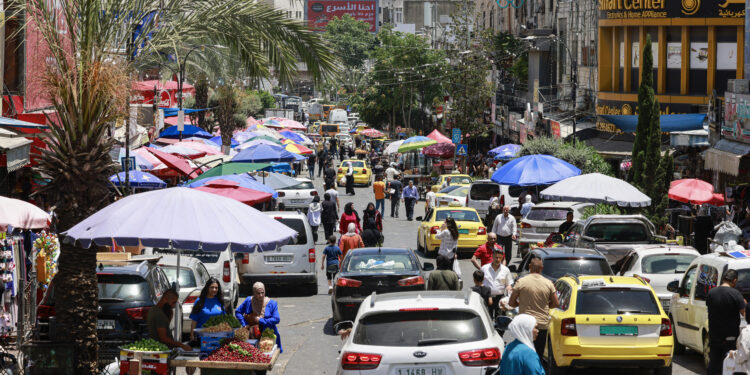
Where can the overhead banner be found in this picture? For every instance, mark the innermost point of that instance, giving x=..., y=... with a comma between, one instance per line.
x=633, y=9
x=319, y=12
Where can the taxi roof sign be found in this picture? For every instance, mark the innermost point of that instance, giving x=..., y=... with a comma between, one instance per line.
x=740, y=254
x=593, y=283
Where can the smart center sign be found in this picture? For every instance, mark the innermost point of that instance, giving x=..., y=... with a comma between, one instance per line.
x=633, y=9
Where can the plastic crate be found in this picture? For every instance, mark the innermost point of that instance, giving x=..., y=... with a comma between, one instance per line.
x=152, y=363
x=211, y=341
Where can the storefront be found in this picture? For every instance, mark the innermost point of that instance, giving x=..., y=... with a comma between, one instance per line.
x=14, y=155
x=728, y=157
x=697, y=46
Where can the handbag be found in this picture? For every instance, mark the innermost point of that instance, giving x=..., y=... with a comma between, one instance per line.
x=332, y=268
x=342, y=181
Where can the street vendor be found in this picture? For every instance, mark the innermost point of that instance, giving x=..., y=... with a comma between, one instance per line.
x=261, y=311
x=159, y=317
x=210, y=303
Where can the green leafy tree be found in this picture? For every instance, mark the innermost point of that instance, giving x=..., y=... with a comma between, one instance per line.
x=267, y=100
x=351, y=39
x=228, y=112
x=579, y=154
x=201, y=100
x=511, y=55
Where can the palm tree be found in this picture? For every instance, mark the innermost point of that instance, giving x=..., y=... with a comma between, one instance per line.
x=94, y=45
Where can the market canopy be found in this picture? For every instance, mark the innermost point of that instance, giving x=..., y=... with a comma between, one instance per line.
x=243, y=180
x=217, y=141
x=531, y=170
x=439, y=137
x=288, y=134
x=20, y=214
x=233, y=190
x=668, y=123
x=171, y=112
x=230, y=168
x=505, y=152
x=415, y=143
x=189, y=131
x=372, y=133
x=264, y=154
x=692, y=190
x=174, y=162
x=440, y=150
x=138, y=179
x=596, y=188
x=276, y=181
x=392, y=148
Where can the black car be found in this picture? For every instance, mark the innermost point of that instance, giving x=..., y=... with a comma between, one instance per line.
x=126, y=293
x=380, y=270
x=559, y=261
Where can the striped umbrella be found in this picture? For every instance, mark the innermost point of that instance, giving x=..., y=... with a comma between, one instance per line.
x=299, y=149
x=415, y=143
x=372, y=133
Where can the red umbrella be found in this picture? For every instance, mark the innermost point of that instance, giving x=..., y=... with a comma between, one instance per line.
x=439, y=137
x=691, y=190
x=372, y=133
x=174, y=162
x=231, y=189
x=440, y=150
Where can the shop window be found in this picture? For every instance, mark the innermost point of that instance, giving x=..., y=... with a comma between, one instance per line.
x=674, y=60
x=726, y=57
x=698, y=60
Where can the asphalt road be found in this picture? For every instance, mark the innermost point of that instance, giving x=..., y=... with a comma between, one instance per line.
x=309, y=342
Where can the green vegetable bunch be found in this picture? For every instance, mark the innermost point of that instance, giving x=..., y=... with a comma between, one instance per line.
x=147, y=345
x=224, y=318
x=268, y=333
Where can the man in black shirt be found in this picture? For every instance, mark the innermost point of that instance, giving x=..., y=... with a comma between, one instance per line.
x=567, y=224
x=725, y=305
x=482, y=289
x=330, y=175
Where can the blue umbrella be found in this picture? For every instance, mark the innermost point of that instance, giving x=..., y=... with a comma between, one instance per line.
x=277, y=181
x=138, y=179
x=533, y=170
x=505, y=152
x=217, y=140
x=264, y=154
x=244, y=179
x=292, y=135
x=140, y=161
x=255, y=142
x=190, y=131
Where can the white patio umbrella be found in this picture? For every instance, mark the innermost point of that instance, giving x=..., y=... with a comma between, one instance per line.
x=393, y=148
x=22, y=215
x=596, y=188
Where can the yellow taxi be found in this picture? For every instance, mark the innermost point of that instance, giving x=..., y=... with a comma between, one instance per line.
x=608, y=321
x=362, y=174
x=456, y=179
x=471, y=230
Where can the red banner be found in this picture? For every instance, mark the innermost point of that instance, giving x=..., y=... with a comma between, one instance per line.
x=554, y=128
x=319, y=12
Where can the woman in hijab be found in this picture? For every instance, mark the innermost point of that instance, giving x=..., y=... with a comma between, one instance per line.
x=519, y=357
x=261, y=311
x=314, y=212
x=349, y=179
x=328, y=216
x=372, y=226
x=351, y=240
x=347, y=217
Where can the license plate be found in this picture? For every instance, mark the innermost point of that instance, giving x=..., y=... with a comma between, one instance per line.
x=463, y=231
x=105, y=324
x=420, y=371
x=545, y=229
x=298, y=201
x=278, y=258
x=665, y=304
x=618, y=330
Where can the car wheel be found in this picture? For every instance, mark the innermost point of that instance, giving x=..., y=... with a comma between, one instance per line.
x=420, y=248
x=663, y=370
x=706, y=350
x=552, y=368
x=236, y=298
x=311, y=290
x=678, y=348
x=335, y=318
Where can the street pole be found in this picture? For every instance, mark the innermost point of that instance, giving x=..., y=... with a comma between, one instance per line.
x=575, y=88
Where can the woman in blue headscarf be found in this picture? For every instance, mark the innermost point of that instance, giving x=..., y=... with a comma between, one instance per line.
x=520, y=357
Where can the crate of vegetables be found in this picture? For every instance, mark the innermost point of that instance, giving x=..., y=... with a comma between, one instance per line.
x=152, y=354
x=215, y=329
x=239, y=355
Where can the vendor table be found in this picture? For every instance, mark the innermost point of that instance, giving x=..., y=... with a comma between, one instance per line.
x=223, y=368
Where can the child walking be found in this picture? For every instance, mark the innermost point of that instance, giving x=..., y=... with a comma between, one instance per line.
x=331, y=260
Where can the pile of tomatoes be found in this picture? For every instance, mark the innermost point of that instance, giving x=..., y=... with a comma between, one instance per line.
x=238, y=351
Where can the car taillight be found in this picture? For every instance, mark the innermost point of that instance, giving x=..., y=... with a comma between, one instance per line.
x=340, y=170
x=137, y=313
x=482, y=230
x=568, y=327
x=313, y=193
x=360, y=361
x=666, y=327
x=349, y=283
x=227, y=273
x=410, y=281
x=480, y=357
x=190, y=299
x=246, y=259
x=525, y=225
x=311, y=255
x=45, y=312
x=281, y=194
x=434, y=230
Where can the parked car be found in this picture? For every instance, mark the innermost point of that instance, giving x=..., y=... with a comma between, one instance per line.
x=362, y=174
x=456, y=179
x=481, y=191
x=659, y=265
x=298, y=197
x=545, y=218
x=375, y=270
x=424, y=332
x=612, y=321
x=220, y=265
x=289, y=265
x=344, y=138
x=338, y=116
x=559, y=261
x=456, y=197
x=470, y=227
x=688, y=310
x=192, y=278
x=127, y=290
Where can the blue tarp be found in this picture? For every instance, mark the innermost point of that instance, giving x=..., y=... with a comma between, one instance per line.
x=5, y=121
x=669, y=123
x=190, y=131
x=172, y=112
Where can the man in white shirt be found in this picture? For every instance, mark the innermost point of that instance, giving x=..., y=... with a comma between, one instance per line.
x=505, y=228
x=430, y=200
x=391, y=173
x=334, y=196
x=498, y=278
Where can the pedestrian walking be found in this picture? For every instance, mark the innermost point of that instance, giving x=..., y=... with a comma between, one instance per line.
x=519, y=357
x=411, y=195
x=329, y=175
x=448, y=236
x=505, y=229
x=430, y=200
x=725, y=304
x=322, y=156
x=349, y=216
x=483, y=254
x=391, y=172
x=394, y=190
x=526, y=207
x=334, y=197
x=350, y=240
x=479, y=288
x=534, y=294
x=494, y=210
x=498, y=278
x=311, y=166
x=314, y=211
x=378, y=188
x=372, y=226
x=443, y=278
x=333, y=148
x=328, y=215
x=342, y=152
x=331, y=260
x=349, y=179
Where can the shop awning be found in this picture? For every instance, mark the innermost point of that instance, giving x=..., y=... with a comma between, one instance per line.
x=692, y=138
x=16, y=152
x=725, y=156
x=669, y=123
x=5, y=121
x=171, y=112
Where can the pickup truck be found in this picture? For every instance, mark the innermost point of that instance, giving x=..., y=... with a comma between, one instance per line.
x=612, y=235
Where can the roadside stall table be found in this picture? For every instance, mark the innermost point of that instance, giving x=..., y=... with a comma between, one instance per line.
x=223, y=368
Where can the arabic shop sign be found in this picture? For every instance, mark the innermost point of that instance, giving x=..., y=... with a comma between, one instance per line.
x=736, y=124
x=319, y=12
x=633, y=9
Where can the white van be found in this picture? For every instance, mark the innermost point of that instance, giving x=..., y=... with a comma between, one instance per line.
x=338, y=116
x=289, y=265
x=481, y=191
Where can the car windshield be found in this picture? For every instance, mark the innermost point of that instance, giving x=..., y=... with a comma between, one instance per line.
x=618, y=232
x=459, y=192
x=547, y=214
x=458, y=215
x=616, y=301
x=483, y=192
x=307, y=185
x=123, y=288
x=558, y=267
x=448, y=189
x=297, y=225
x=419, y=328
x=460, y=179
x=355, y=164
x=187, y=277
x=380, y=263
x=668, y=263
x=329, y=128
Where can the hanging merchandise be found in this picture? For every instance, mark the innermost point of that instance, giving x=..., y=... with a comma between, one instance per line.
x=46, y=251
x=9, y=245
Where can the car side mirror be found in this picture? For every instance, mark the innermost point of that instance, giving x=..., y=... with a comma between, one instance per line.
x=513, y=268
x=420, y=218
x=346, y=324
x=674, y=286
x=175, y=286
x=428, y=266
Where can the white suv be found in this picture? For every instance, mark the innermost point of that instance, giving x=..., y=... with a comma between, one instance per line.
x=688, y=311
x=425, y=332
x=545, y=218
x=298, y=197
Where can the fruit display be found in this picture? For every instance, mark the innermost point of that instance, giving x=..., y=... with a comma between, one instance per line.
x=147, y=345
x=221, y=327
x=238, y=351
x=267, y=340
x=242, y=334
x=224, y=318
